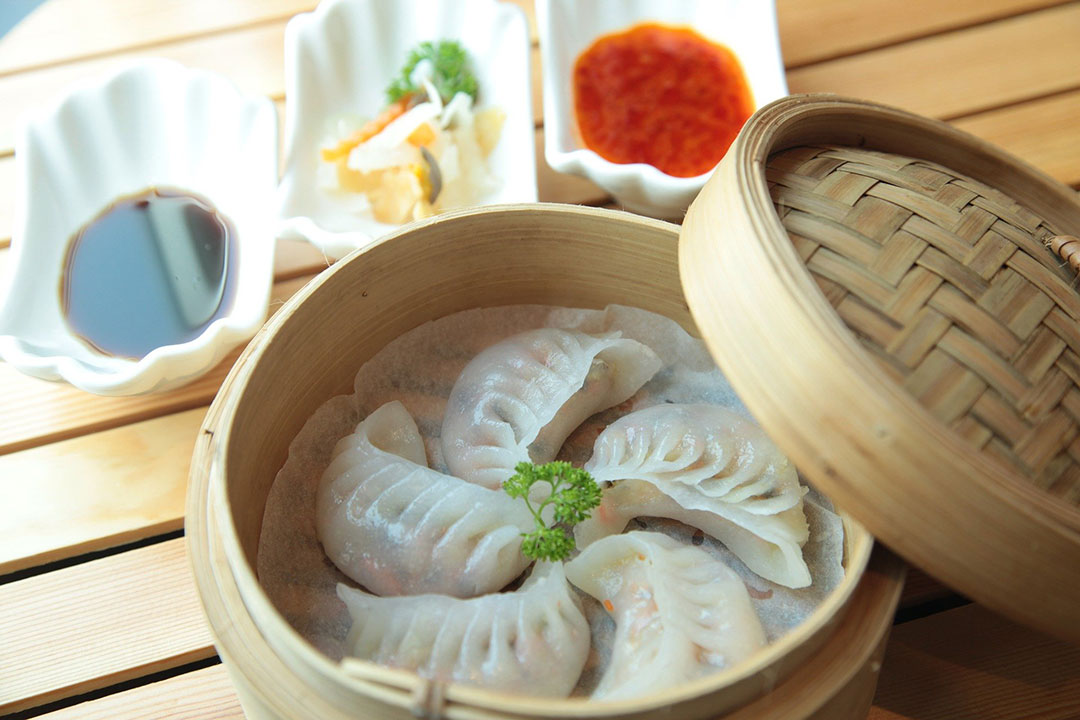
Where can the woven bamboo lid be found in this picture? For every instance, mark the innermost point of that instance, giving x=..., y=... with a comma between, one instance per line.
x=894, y=300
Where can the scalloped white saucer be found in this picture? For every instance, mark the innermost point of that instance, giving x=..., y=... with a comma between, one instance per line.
x=338, y=61
x=153, y=124
x=568, y=27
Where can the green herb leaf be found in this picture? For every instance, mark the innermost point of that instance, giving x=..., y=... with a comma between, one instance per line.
x=573, y=494
x=549, y=544
x=451, y=73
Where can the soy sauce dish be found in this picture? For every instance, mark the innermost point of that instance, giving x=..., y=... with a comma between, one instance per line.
x=143, y=244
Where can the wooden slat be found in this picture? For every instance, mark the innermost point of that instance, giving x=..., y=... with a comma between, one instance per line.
x=292, y=258
x=197, y=695
x=37, y=412
x=970, y=663
x=95, y=491
x=7, y=199
x=554, y=186
x=551, y=185
x=251, y=57
x=1050, y=145
x=961, y=664
x=816, y=30
x=67, y=30
x=963, y=72
x=62, y=31
x=99, y=623
x=1042, y=132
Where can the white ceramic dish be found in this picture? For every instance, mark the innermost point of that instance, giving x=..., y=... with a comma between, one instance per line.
x=339, y=60
x=567, y=27
x=154, y=124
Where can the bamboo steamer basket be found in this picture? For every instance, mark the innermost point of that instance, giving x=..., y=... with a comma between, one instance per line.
x=311, y=350
x=902, y=315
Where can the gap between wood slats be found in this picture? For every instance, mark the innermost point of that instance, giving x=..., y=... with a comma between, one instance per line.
x=195, y=695
x=969, y=68
x=200, y=690
x=960, y=664
x=97, y=624
x=552, y=186
x=970, y=663
x=252, y=57
x=90, y=556
x=37, y=412
x=65, y=31
x=95, y=491
x=848, y=28
x=961, y=72
x=1041, y=132
x=69, y=31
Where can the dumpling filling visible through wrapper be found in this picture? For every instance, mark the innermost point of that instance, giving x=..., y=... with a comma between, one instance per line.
x=712, y=469
x=679, y=612
x=419, y=369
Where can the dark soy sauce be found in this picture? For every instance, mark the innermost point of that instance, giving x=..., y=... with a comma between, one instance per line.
x=152, y=269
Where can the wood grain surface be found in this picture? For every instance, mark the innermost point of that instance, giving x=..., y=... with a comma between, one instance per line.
x=80, y=474
x=960, y=664
x=40, y=412
x=968, y=663
x=98, y=623
x=95, y=491
x=967, y=71
x=198, y=695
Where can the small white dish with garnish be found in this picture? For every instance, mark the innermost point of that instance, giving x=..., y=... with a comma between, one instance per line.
x=142, y=251
x=456, y=130
x=568, y=28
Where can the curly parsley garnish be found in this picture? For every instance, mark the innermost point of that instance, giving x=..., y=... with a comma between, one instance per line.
x=573, y=494
x=451, y=73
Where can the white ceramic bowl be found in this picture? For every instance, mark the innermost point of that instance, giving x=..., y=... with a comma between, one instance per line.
x=568, y=27
x=339, y=60
x=154, y=124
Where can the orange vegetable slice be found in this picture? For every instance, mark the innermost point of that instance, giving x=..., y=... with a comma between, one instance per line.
x=369, y=130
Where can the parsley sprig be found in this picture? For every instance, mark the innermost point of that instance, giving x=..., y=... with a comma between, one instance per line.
x=573, y=494
x=451, y=73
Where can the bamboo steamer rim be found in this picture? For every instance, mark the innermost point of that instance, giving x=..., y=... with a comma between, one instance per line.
x=223, y=571
x=861, y=437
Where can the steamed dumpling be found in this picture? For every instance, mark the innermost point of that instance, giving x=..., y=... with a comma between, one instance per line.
x=679, y=612
x=533, y=641
x=397, y=527
x=519, y=399
x=710, y=468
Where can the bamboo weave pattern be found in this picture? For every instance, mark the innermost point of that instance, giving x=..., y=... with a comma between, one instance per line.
x=949, y=286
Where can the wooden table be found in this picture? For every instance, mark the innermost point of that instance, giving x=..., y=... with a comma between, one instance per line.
x=98, y=613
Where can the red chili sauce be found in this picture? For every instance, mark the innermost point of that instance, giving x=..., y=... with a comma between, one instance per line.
x=660, y=95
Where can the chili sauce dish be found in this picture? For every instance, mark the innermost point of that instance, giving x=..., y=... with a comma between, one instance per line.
x=644, y=98
x=402, y=110
x=142, y=251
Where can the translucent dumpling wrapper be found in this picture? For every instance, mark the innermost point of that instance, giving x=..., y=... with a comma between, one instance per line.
x=519, y=399
x=533, y=641
x=708, y=467
x=679, y=612
x=397, y=527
